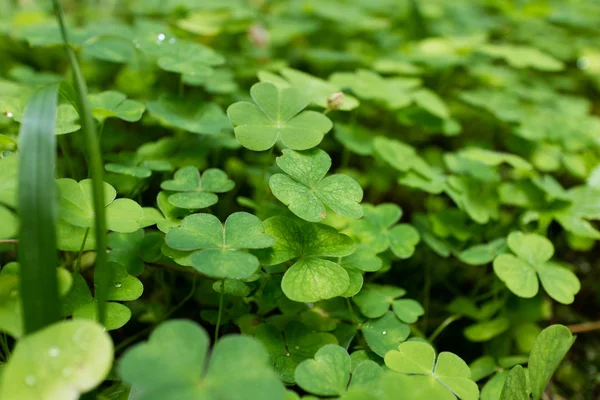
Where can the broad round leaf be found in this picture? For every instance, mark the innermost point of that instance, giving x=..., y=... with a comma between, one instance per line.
x=314, y=279
x=327, y=374
x=519, y=276
x=58, y=363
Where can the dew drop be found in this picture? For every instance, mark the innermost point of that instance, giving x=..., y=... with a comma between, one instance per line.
x=583, y=62
x=118, y=284
x=310, y=305
x=287, y=354
x=30, y=380
x=384, y=332
x=161, y=37
x=54, y=351
x=9, y=114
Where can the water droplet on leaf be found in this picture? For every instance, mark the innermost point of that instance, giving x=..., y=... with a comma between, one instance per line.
x=54, y=351
x=384, y=332
x=30, y=380
x=118, y=284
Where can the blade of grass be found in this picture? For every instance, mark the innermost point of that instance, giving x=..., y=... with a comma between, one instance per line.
x=96, y=168
x=38, y=211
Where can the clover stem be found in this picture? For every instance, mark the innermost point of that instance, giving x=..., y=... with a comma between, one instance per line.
x=426, y=294
x=220, y=315
x=78, y=261
x=9, y=241
x=345, y=158
x=443, y=326
x=264, y=187
x=64, y=150
x=351, y=311
x=585, y=327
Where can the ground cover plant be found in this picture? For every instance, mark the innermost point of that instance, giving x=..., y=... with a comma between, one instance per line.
x=299, y=199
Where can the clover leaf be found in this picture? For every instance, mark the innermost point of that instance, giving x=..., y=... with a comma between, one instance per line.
x=291, y=345
x=305, y=189
x=173, y=364
x=276, y=114
x=10, y=223
x=125, y=250
x=11, y=314
x=76, y=206
x=450, y=372
x=172, y=215
x=197, y=190
x=312, y=277
x=520, y=273
x=329, y=372
x=378, y=231
x=189, y=114
x=115, y=104
x=217, y=249
x=317, y=89
x=384, y=333
x=188, y=58
x=59, y=362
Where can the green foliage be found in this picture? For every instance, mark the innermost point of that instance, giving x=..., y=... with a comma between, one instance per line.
x=335, y=194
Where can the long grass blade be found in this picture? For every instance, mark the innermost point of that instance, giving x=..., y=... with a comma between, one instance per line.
x=38, y=210
x=95, y=167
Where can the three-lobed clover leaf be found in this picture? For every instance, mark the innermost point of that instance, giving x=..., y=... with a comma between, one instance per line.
x=379, y=230
x=189, y=114
x=306, y=191
x=197, y=190
x=77, y=209
x=374, y=301
x=312, y=277
x=520, y=273
x=330, y=370
x=217, y=250
x=447, y=378
x=276, y=114
x=59, y=362
x=291, y=345
x=113, y=104
x=188, y=58
x=173, y=364
x=317, y=89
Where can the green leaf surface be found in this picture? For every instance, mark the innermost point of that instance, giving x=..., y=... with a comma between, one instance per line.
x=276, y=114
x=384, y=334
x=548, y=350
x=173, y=363
x=327, y=374
x=305, y=190
x=189, y=115
x=59, y=362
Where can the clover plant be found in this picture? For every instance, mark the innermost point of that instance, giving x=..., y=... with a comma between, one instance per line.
x=296, y=199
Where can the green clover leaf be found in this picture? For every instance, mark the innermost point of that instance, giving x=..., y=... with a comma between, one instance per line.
x=173, y=364
x=291, y=345
x=126, y=249
x=377, y=230
x=76, y=206
x=482, y=254
x=315, y=88
x=312, y=277
x=305, y=189
x=197, y=190
x=11, y=314
x=189, y=114
x=128, y=170
x=217, y=249
x=276, y=114
x=384, y=333
x=450, y=372
x=188, y=58
x=112, y=104
x=59, y=362
x=117, y=315
x=172, y=215
x=10, y=223
x=520, y=274
x=329, y=372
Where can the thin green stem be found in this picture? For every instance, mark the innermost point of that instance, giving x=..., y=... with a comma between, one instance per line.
x=64, y=150
x=443, y=326
x=96, y=169
x=426, y=296
x=351, y=311
x=78, y=261
x=220, y=315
